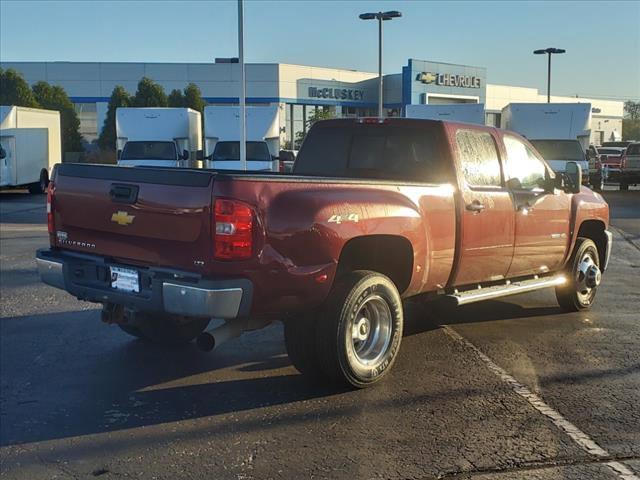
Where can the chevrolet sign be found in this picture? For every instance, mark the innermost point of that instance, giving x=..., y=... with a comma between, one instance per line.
x=449, y=80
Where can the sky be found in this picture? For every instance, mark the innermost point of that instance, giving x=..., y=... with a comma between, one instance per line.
x=602, y=38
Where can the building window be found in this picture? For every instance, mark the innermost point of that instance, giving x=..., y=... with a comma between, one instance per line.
x=493, y=119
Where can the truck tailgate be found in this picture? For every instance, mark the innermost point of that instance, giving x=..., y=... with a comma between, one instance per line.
x=147, y=216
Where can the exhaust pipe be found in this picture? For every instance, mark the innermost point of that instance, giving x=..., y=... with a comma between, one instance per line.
x=215, y=336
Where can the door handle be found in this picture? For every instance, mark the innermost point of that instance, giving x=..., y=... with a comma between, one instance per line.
x=475, y=206
x=123, y=193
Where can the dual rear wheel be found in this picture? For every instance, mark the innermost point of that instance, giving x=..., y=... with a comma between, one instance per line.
x=355, y=337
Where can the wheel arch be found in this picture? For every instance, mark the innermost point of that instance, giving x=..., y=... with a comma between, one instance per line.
x=390, y=255
x=595, y=230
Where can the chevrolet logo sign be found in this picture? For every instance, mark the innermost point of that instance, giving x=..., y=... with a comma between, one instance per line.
x=427, y=77
x=122, y=218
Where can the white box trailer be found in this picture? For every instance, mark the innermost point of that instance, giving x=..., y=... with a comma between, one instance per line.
x=31, y=146
x=559, y=131
x=452, y=112
x=166, y=137
x=222, y=137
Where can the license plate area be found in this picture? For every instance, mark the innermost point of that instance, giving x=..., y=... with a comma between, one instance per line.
x=125, y=279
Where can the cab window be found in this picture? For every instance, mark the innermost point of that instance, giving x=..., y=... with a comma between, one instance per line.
x=478, y=158
x=523, y=169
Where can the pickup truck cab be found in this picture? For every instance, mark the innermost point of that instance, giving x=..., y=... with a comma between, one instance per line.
x=375, y=211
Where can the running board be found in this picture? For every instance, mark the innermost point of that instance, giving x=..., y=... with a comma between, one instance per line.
x=509, y=288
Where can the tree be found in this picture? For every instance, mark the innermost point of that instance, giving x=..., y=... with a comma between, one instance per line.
x=632, y=109
x=14, y=90
x=176, y=99
x=149, y=94
x=319, y=114
x=119, y=98
x=193, y=98
x=55, y=98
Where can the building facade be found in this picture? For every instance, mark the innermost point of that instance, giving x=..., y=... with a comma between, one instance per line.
x=300, y=90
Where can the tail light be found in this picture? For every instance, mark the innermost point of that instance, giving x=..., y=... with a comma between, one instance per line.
x=233, y=234
x=281, y=166
x=623, y=161
x=598, y=165
x=51, y=226
x=372, y=120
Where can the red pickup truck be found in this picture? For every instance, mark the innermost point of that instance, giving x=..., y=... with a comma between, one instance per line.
x=375, y=211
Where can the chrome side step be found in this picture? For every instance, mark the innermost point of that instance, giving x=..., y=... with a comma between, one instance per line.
x=509, y=288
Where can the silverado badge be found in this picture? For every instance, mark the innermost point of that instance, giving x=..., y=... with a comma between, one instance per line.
x=122, y=218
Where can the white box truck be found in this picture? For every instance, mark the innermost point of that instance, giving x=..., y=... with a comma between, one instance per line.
x=222, y=137
x=29, y=147
x=559, y=131
x=453, y=112
x=163, y=137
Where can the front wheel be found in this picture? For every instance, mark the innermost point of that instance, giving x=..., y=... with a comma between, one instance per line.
x=583, y=277
x=359, y=332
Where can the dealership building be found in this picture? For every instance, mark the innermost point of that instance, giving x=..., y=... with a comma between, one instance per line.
x=299, y=90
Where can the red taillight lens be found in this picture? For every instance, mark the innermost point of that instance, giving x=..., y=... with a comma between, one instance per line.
x=280, y=166
x=233, y=230
x=623, y=161
x=51, y=226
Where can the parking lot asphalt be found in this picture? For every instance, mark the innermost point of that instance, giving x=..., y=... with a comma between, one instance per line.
x=507, y=389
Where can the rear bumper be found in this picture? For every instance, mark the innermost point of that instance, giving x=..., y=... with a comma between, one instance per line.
x=161, y=290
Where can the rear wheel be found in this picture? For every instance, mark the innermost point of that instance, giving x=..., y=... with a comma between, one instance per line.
x=624, y=186
x=166, y=329
x=300, y=340
x=583, y=277
x=360, y=330
x=41, y=185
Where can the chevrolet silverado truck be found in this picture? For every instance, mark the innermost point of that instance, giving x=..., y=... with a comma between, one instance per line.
x=375, y=211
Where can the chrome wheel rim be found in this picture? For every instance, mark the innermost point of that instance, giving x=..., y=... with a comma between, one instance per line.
x=371, y=331
x=588, y=277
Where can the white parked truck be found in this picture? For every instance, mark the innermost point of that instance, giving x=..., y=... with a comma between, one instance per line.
x=222, y=137
x=29, y=147
x=559, y=131
x=161, y=137
x=453, y=112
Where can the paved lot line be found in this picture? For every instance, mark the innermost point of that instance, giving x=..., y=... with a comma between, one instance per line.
x=582, y=439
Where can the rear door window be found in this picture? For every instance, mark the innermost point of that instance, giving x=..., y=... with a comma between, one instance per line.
x=478, y=158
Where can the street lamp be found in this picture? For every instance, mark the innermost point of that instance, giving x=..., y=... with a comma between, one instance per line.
x=380, y=16
x=549, y=51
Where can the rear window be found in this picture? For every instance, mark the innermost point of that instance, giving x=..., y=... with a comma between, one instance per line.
x=149, y=151
x=633, y=149
x=569, y=150
x=228, y=151
x=393, y=152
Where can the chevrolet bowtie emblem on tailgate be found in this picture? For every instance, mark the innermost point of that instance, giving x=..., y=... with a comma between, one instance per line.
x=122, y=218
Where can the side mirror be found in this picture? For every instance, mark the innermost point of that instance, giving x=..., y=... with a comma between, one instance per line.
x=3, y=154
x=118, y=154
x=273, y=157
x=199, y=155
x=573, y=173
x=185, y=155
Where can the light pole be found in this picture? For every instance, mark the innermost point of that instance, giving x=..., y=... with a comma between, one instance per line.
x=549, y=51
x=243, y=88
x=380, y=16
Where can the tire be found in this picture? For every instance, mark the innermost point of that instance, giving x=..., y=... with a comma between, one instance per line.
x=577, y=294
x=598, y=184
x=624, y=186
x=300, y=340
x=360, y=304
x=40, y=186
x=167, y=329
